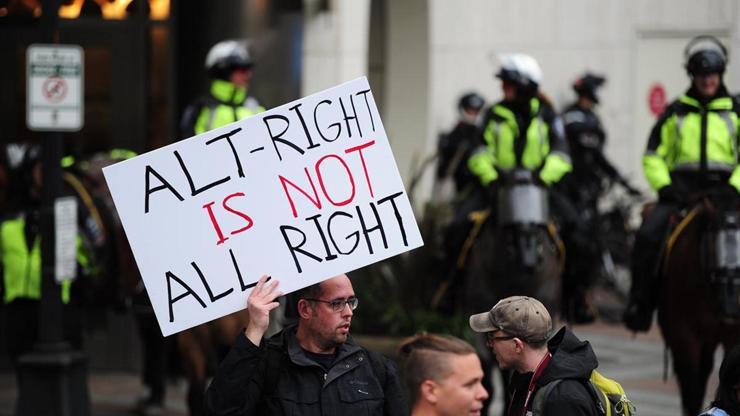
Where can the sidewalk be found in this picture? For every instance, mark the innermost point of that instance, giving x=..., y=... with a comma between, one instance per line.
x=111, y=394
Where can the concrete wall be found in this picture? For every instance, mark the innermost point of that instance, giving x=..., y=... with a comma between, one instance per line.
x=435, y=50
x=408, y=87
x=335, y=43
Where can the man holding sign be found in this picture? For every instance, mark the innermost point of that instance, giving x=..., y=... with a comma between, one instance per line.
x=306, y=191
x=313, y=368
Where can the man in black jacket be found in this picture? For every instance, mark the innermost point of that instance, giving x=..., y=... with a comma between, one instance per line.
x=313, y=368
x=518, y=329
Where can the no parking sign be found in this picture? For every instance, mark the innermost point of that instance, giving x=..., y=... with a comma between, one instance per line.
x=55, y=99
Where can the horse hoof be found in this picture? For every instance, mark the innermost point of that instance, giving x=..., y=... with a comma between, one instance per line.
x=637, y=319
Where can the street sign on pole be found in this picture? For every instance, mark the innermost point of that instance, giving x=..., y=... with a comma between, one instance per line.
x=65, y=231
x=54, y=77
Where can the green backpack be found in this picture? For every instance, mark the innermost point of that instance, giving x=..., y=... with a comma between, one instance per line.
x=609, y=395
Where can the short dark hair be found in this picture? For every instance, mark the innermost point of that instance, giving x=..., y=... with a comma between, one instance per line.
x=423, y=359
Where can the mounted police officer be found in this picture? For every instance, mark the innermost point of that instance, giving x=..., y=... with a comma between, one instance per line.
x=586, y=138
x=523, y=131
x=592, y=172
x=21, y=268
x=455, y=147
x=230, y=68
x=692, y=147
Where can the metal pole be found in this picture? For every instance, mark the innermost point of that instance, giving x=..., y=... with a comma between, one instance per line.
x=51, y=320
x=53, y=377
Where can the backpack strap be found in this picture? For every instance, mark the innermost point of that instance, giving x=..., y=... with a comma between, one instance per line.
x=538, y=403
x=600, y=398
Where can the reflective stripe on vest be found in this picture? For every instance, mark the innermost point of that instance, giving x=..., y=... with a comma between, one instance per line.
x=21, y=269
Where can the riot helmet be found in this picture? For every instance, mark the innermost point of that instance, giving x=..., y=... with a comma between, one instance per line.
x=471, y=101
x=226, y=56
x=521, y=70
x=705, y=55
x=587, y=86
x=470, y=105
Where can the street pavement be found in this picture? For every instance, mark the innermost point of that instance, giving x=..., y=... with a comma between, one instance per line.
x=635, y=361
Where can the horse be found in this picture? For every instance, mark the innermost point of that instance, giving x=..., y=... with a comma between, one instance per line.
x=515, y=251
x=699, y=293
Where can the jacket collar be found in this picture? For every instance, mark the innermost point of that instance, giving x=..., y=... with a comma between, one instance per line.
x=228, y=93
x=288, y=342
x=571, y=358
x=720, y=102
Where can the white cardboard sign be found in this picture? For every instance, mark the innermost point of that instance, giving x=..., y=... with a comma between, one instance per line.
x=302, y=192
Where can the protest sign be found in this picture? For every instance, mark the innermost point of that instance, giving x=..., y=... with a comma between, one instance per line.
x=303, y=192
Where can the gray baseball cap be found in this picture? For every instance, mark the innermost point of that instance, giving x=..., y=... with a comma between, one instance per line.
x=521, y=316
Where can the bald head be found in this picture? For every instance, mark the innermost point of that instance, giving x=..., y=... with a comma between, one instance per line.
x=317, y=290
x=337, y=281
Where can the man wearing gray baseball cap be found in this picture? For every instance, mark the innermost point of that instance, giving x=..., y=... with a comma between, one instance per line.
x=518, y=330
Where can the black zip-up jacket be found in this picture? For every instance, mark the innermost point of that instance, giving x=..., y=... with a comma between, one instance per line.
x=278, y=378
x=573, y=361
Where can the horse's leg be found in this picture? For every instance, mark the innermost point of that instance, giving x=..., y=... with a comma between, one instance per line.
x=692, y=362
x=705, y=369
x=195, y=353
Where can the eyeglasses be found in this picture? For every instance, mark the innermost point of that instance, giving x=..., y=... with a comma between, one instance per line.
x=491, y=338
x=338, y=304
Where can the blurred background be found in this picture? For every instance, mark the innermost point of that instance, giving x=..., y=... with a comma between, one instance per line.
x=144, y=62
x=144, y=59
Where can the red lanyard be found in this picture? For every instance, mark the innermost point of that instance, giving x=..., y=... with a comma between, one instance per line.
x=536, y=376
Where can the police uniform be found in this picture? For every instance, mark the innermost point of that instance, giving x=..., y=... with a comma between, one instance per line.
x=529, y=136
x=20, y=248
x=532, y=136
x=225, y=103
x=692, y=147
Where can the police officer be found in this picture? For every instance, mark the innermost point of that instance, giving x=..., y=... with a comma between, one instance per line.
x=523, y=131
x=229, y=66
x=20, y=251
x=691, y=148
x=454, y=148
x=586, y=138
x=591, y=172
